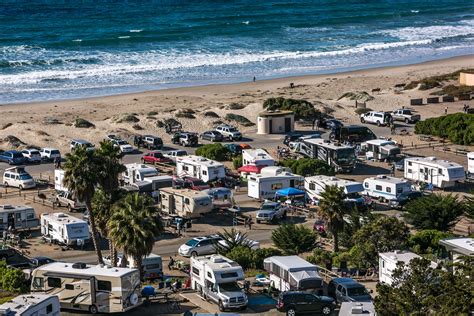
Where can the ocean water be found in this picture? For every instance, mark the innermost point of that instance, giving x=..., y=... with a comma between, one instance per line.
x=53, y=50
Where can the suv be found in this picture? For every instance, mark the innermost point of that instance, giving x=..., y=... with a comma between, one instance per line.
x=50, y=154
x=185, y=139
x=152, y=142
x=124, y=146
x=12, y=157
x=404, y=198
x=406, y=116
x=155, y=157
x=348, y=290
x=83, y=143
x=199, y=246
x=293, y=303
x=373, y=117
x=32, y=155
x=64, y=198
x=230, y=132
x=172, y=154
x=271, y=211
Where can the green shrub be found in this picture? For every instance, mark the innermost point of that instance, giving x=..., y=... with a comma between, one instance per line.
x=12, y=280
x=214, y=152
x=294, y=239
x=360, y=111
x=126, y=118
x=427, y=241
x=458, y=127
x=186, y=113
x=303, y=109
x=211, y=114
x=237, y=162
x=236, y=106
x=244, y=256
x=151, y=113
x=308, y=167
x=239, y=119
x=82, y=123
x=435, y=81
x=454, y=91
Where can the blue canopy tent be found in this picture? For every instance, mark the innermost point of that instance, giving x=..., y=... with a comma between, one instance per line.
x=288, y=192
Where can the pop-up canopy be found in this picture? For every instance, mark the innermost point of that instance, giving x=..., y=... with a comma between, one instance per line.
x=290, y=192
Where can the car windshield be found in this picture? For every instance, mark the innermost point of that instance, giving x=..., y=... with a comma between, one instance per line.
x=268, y=207
x=357, y=291
x=88, y=145
x=232, y=129
x=55, y=152
x=157, y=155
x=192, y=242
x=181, y=153
x=230, y=287
x=121, y=142
x=345, y=155
x=25, y=176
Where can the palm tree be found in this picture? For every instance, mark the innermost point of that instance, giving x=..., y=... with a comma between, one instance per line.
x=332, y=208
x=231, y=239
x=80, y=177
x=133, y=226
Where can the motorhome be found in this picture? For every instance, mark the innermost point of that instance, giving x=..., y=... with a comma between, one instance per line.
x=470, y=165
x=31, y=305
x=257, y=157
x=436, y=172
x=97, y=289
x=380, y=149
x=199, y=167
x=184, y=202
x=341, y=157
x=64, y=229
x=386, y=188
x=18, y=177
x=145, y=178
x=215, y=277
x=152, y=265
x=388, y=262
x=292, y=273
x=316, y=185
x=17, y=217
x=272, y=179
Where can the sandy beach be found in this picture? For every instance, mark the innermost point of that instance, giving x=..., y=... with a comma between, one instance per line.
x=52, y=123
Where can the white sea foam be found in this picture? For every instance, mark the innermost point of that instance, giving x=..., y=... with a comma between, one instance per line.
x=434, y=32
x=246, y=22
x=414, y=11
x=135, y=31
x=77, y=40
x=122, y=37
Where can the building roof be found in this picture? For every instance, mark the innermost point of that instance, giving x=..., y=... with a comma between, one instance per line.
x=350, y=186
x=250, y=169
x=218, y=262
x=198, y=160
x=90, y=270
x=22, y=303
x=9, y=208
x=257, y=154
x=387, y=179
x=463, y=245
x=64, y=218
x=435, y=161
x=396, y=256
x=381, y=142
x=291, y=263
x=275, y=113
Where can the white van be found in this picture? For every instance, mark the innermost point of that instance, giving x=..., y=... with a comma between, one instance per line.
x=18, y=177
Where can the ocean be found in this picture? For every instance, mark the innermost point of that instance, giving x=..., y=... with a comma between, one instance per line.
x=52, y=50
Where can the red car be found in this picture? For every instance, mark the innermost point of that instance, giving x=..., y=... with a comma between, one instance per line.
x=155, y=157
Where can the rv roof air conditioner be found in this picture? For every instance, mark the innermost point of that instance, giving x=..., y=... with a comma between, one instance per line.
x=79, y=265
x=217, y=259
x=381, y=176
x=431, y=158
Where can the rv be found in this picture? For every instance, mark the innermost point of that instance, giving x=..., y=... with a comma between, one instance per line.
x=380, y=149
x=292, y=273
x=257, y=157
x=215, y=277
x=272, y=179
x=436, y=172
x=17, y=217
x=97, y=289
x=58, y=181
x=199, y=167
x=18, y=177
x=385, y=187
x=316, y=185
x=470, y=165
x=64, y=229
x=341, y=157
x=145, y=178
x=152, y=265
x=31, y=305
x=184, y=202
x=388, y=262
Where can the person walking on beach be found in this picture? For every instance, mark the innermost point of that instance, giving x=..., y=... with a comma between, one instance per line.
x=254, y=79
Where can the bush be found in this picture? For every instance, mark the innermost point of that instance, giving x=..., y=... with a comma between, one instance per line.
x=294, y=239
x=454, y=91
x=458, y=127
x=211, y=114
x=214, y=152
x=322, y=258
x=303, y=109
x=237, y=162
x=239, y=119
x=435, y=81
x=126, y=118
x=186, y=113
x=236, y=106
x=309, y=167
x=151, y=113
x=12, y=280
x=249, y=258
x=427, y=241
x=82, y=123
x=360, y=111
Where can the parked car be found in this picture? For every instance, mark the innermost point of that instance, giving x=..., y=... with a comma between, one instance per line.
x=199, y=246
x=229, y=132
x=330, y=123
x=50, y=154
x=195, y=184
x=373, y=117
x=291, y=138
x=404, y=198
x=400, y=164
x=112, y=137
x=293, y=303
x=213, y=136
x=155, y=157
x=12, y=157
x=32, y=155
x=234, y=149
x=185, y=139
x=125, y=147
x=348, y=290
x=81, y=142
x=67, y=199
x=270, y=212
x=152, y=142
x=172, y=154
x=406, y=116
x=18, y=177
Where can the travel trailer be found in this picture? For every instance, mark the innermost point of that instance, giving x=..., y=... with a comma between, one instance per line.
x=97, y=289
x=292, y=273
x=152, y=265
x=145, y=178
x=439, y=173
x=215, y=277
x=272, y=179
x=385, y=187
x=18, y=177
x=470, y=165
x=388, y=263
x=316, y=185
x=199, y=167
x=31, y=305
x=64, y=229
x=184, y=202
x=257, y=157
x=380, y=149
x=341, y=157
x=17, y=217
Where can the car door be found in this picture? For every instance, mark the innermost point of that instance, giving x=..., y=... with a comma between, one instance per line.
x=207, y=247
x=339, y=295
x=309, y=304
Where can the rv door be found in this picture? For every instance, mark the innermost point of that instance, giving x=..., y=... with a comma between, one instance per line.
x=427, y=173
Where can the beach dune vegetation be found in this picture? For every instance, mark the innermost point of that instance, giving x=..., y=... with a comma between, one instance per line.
x=242, y=120
x=303, y=109
x=83, y=123
x=458, y=127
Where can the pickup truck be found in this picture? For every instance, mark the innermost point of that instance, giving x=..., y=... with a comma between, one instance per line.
x=64, y=198
x=405, y=116
x=270, y=212
x=229, y=132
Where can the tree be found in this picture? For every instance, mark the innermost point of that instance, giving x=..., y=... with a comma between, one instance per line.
x=231, y=239
x=81, y=178
x=237, y=162
x=294, y=239
x=469, y=207
x=333, y=208
x=214, y=152
x=435, y=211
x=427, y=241
x=303, y=109
x=309, y=167
x=322, y=258
x=244, y=256
x=12, y=280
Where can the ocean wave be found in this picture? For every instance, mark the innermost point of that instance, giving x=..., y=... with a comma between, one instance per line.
x=123, y=37
x=314, y=29
x=135, y=31
x=434, y=32
x=414, y=11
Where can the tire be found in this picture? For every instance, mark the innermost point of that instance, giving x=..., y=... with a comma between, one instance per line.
x=93, y=309
x=378, y=123
x=221, y=306
x=291, y=311
x=326, y=310
x=58, y=203
x=69, y=207
x=194, y=254
x=362, y=120
x=231, y=139
x=407, y=121
x=20, y=187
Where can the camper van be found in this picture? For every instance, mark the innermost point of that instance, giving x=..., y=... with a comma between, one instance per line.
x=184, y=202
x=64, y=229
x=470, y=165
x=380, y=149
x=272, y=179
x=199, y=167
x=17, y=217
x=97, y=289
x=215, y=277
x=436, y=172
x=385, y=187
x=292, y=273
x=31, y=305
x=145, y=178
x=18, y=177
x=257, y=157
x=316, y=185
x=152, y=265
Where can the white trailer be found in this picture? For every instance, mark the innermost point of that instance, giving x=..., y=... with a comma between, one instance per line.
x=430, y=170
x=184, y=202
x=199, y=167
x=32, y=305
x=58, y=180
x=380, y=149
x=388, y=263
x=17, y=217
x=152, y=265
x=316, y=185
x=64, y=229
x=292, y=273
x=215, y=278
x=272, y=179
x=136, y=172
x=257, y=157
x=385, y=187
x=470, y=165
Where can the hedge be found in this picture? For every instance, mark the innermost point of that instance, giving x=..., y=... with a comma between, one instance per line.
x=303, y=109
x=214, y=152
x=458, y=127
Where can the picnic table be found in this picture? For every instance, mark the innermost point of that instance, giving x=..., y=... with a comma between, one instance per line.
x=425, y=138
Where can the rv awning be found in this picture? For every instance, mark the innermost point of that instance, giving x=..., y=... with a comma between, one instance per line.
x=290, y=192
x=251, y=169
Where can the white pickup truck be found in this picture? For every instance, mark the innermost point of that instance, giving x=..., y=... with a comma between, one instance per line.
x=373, y=117
x=406, y=116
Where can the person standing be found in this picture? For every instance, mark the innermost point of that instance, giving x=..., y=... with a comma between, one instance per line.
x=445, y=110
x=250, y=222
x=171, y=264
x=254, y=79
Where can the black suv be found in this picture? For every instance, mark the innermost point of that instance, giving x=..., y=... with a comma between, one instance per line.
x=294, y=303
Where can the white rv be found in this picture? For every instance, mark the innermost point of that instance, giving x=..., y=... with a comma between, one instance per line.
x=388, y=263
x=152, y=265
x=31, y=305
x=215, y=277
x=470, y=165
x=184, y=202
x=292, y=273
x=380, y=149
x=316, y=185
x=257, y=157
x=58, y=180
x=439, y=173
x=145, y=178
x=200, y=168
x=17, y=217
x=97, y=289
x=385, y=187
x=272, y=179
x=64, y=229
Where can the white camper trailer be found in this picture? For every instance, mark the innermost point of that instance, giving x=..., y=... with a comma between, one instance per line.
x=58, y=180
x=32, y=305
x=184, y=202
x=145, y=178
x=152, y=265
x=200, y=168
x=388, y=263
x=437, y=172
x=17, y=217
x=257, y=157
x=380, y=149
x=292, y=273
x=316, y=185
x=64, y=229
x=97, y=289
x=272, y=179
x=470, y=165
x=215, y=277
x=385, y=187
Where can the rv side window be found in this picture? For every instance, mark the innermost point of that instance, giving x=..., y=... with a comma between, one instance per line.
x=209, y=275
x=389, y=190
x=409, y=171
x=366, y=185
x=204, y=173
x=378, y=187
x=104, y=286
x=440, y=171
x=195, y=271
x=186, y=201
x=38, y=283
x=285, y=275
x=30, y=216
x=49, y=309
x=277, y=186
x=69, y=287
x=409, y=163
x=185, y=168
x=312, y=186
x=154, y=266
x=54, y=282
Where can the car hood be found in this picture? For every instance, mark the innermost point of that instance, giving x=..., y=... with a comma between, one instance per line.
x=327, y=299
x=184, y=248
x=235, y=294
